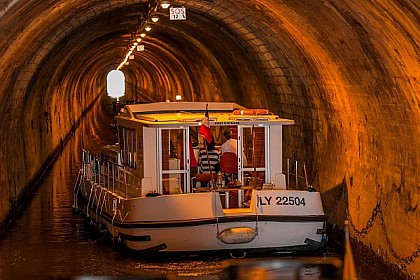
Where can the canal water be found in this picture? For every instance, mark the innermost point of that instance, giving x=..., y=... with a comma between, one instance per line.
x=48, y=241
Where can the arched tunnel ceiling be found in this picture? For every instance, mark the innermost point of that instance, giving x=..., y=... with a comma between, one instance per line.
x=346, y=71
x=218, y=38
x=287, y=55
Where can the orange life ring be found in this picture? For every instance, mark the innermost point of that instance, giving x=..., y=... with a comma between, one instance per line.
x=251, y=112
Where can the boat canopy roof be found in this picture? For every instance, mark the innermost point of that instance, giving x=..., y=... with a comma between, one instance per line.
x=192, y=113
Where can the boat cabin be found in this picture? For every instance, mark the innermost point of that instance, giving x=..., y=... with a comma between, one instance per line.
x=159, y=140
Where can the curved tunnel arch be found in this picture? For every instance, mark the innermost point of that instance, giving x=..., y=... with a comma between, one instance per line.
x=347, y=72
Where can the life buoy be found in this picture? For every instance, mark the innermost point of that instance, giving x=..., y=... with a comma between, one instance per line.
x=251, y=112
x=237, y=235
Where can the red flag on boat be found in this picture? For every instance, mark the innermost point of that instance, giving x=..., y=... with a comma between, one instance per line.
x=205, y=127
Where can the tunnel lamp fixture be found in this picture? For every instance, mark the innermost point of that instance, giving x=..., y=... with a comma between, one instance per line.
x=115, y=84
x=152, y=17
x=178, y=97
x=165, y=4
x=131, y=56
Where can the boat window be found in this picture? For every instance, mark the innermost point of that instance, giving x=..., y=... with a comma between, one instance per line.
x=173, y=161
x=173, y=149
x=127, y=138
x=173, y=183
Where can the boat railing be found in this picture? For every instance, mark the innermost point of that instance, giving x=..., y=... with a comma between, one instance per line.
x=296, y=176
x=110, y=175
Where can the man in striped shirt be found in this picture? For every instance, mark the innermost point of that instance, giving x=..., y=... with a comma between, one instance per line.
x=209, y=159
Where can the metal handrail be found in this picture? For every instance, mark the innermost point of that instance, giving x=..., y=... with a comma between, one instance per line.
x=292, y=170
x=110, y=175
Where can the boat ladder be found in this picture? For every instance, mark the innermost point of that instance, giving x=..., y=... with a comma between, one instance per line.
x=238, y=235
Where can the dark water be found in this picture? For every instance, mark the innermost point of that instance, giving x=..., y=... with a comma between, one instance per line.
x=48, y=241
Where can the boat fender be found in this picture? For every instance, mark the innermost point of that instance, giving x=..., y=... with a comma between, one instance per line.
x=251, y=112
x=237, y=235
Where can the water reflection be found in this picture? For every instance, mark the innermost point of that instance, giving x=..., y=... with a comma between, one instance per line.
x=48, y=241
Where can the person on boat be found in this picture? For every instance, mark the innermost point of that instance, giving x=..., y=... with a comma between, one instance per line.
x=208, y=158
x=230, y=145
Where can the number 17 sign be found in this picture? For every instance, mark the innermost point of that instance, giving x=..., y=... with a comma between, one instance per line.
x=177, y=13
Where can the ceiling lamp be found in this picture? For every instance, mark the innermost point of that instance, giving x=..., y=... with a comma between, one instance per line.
x=148, y=28
x=138, y=40
x=165, y=4
x=155, y=18
x=142, y=35
x=115, y=84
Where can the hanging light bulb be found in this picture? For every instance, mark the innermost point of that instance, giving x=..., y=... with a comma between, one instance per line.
x=148, y=28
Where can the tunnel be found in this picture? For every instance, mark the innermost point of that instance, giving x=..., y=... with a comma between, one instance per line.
x=347, y=72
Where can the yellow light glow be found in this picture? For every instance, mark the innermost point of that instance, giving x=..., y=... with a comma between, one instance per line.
x=148, y=28
x=142, y=35
x=125, y=62
x=138, y=40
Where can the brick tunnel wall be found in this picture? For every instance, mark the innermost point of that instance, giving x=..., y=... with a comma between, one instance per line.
x=346, y=72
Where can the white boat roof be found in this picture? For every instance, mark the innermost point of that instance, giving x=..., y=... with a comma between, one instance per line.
x=192, y=113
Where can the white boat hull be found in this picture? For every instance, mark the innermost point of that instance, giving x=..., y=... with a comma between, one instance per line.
x=196, y=222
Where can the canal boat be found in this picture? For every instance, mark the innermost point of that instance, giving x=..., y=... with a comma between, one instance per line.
x=146, y=193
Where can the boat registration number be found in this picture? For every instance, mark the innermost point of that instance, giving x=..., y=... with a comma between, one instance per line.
x=282, y=200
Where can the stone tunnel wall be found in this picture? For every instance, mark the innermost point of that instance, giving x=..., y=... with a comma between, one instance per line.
x=346, y=71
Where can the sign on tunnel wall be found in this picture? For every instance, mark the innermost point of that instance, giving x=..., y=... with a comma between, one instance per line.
x=177, y=13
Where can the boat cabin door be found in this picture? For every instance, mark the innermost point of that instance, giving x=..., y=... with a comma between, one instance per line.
x=254, y=161
x=173, y=160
